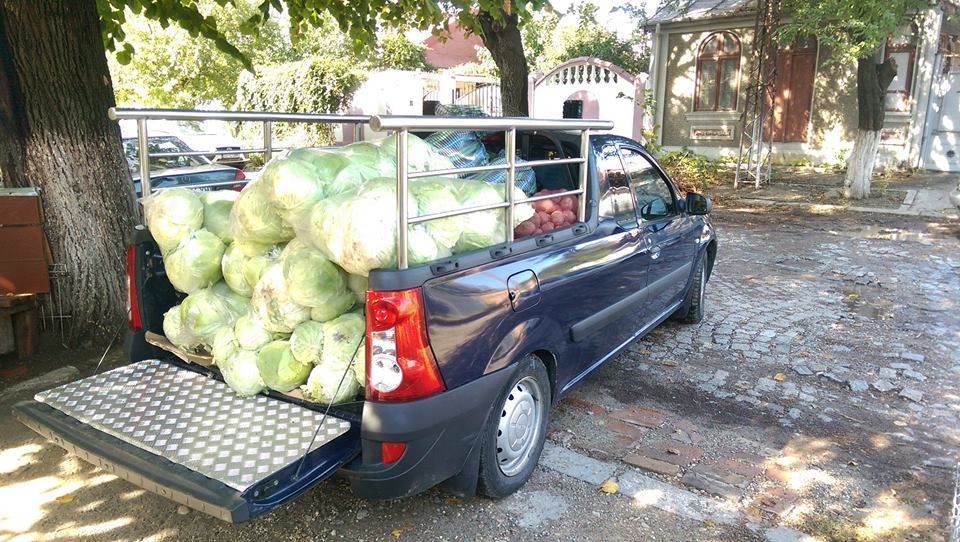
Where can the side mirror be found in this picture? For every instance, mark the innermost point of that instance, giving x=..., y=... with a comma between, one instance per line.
x=698, y=204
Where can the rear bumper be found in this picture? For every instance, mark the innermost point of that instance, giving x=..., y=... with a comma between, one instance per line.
x=441, y=433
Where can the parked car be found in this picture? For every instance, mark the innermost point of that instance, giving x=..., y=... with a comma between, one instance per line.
x=465, y=356
x=196, y=172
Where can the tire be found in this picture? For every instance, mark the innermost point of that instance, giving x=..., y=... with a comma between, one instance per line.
x=691, y=311
x=510, y=449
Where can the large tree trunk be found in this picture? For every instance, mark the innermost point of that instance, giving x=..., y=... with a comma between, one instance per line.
x=872, y=82
x=55, y=135
x=502, y=39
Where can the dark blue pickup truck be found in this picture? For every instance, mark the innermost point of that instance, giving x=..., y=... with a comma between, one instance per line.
x=465, y=357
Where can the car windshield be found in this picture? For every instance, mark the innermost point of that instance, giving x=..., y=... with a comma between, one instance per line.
x=161, y=144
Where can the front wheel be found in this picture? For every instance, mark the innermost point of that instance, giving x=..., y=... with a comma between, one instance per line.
x=514, y=436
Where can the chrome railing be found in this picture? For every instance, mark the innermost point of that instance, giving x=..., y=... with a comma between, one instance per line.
x=143, y=116
x=403, y=125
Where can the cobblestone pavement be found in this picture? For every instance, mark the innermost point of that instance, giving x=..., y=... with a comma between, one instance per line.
x=818, y=396
x=821, y=389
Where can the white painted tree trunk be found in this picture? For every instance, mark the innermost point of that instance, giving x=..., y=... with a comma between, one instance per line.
x=860, y=164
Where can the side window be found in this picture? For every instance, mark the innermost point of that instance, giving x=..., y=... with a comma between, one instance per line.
x=653, y=195
x=617, y=201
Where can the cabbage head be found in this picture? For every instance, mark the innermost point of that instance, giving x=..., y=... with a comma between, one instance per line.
x=251, y=248
x=356, y=229
x=306, y=343
x=311, y=278
x=329, y=385
x=421, y=247
x=250, y=333
x=254, y=218
x=273, y=305
x=341, y=337
x=217, y=205
x=242, y=374
x=176, y=332
x=335, y=307
x=195, y=262
x=208, y=309
x=225, y=344
x=358, y=285
x=171, y=215
x=481, y=229
x=351, y=176
x=279, y=369
x=421, y=156
x=359, y=365
x=434, y=195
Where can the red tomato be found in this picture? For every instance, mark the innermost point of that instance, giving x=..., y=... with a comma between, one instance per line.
x=556, y=217
x=544, y=217
x=535, y=219
x=567, y=202
x=524, y=229
x=547, y=227
x=569, y=217
x=548, y=206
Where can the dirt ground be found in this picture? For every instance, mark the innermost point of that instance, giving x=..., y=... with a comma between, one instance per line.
x=819, y=397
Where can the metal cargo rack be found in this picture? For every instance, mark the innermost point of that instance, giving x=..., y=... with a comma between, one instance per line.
x=402, y=126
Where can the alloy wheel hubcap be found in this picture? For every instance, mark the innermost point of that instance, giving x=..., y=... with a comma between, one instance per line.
x=519, y=425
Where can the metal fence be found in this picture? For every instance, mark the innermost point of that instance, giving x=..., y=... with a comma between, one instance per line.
x=484, y=96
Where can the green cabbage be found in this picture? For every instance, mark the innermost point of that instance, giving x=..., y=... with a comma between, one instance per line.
x=421, y=156
x=335, y=307
x=359, y=365
x=306, y=343
x=358, y=285
x=176, y=332
x=242, y=374
x=279, y=369
x=251, y=248
x=242, y=266
x=329, y=385
x=434, y=195
x=351, y=177
x=171, y=215
x=251, y=334
x=217, y=205
x=311, y=278
x=356, y=229
x=195, y=262
x=273, y=305
x=484, y=228
x=254, y=218
x=225, y=344
x=208, y=309
x=232, y=268
x=421, y=247
x=341, y=337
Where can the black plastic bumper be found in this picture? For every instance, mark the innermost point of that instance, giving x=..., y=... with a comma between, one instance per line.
x=441, y=433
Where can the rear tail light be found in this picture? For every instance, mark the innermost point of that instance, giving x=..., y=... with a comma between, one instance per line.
x=400, y=363
x=133, y=301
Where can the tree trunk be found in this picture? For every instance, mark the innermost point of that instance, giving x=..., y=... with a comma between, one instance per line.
x=55, y=89
x=502, y=39
x=872, y=82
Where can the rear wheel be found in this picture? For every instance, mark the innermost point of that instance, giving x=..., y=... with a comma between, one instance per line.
x=514, y=436
x=691, y=311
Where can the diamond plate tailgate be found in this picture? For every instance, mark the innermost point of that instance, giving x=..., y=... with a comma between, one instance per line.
x=195, y=421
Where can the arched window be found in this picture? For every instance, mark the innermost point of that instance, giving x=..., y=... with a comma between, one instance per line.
x=718, y=72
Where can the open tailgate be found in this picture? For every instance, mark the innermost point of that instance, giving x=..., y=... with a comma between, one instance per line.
x=188, y=437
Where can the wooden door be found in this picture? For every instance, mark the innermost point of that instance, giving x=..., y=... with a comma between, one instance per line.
x=793, y=92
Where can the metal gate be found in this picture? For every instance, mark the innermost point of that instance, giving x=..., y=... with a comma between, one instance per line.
x=486, y=96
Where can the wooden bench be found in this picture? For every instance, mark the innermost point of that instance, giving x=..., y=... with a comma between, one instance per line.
x=22, y=309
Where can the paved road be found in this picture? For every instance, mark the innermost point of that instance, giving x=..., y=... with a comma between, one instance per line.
x=819, y=396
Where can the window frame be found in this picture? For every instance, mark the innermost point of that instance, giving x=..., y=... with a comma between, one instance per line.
x=718, y=58
x=660, y=174
x=911, y=51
